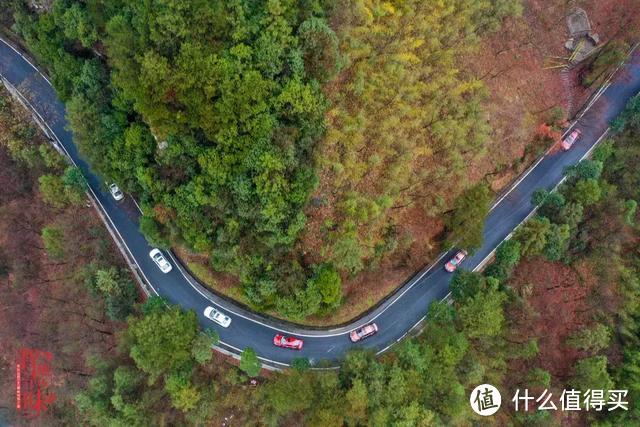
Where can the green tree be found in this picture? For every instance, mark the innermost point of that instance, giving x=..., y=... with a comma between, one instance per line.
x=357, y=398
x=53, y=239
x=630, y=209
x=586, y=169
x=291, y=392
x=533, y=235
x=300, y=364
x=319, y=46
x=538, y=378
x=507, y=257
x=202, y=350
x=154, y=304
x=52, y=190
x=78, y=26
x=249, y=362
x=52, y=159
x=552, y=206
x=328, y=282
x=587, y=192
x=591, y=374
x=118, y=291
x=593, y=339
x=151, y=230
x=184, y=395
x=482, y=316
x=603, y=151
x=557, y=242
x=572, y=214
x=74, y=179
x=465, y=284
x=161, y=341
x=466, y=224
x=539, y=196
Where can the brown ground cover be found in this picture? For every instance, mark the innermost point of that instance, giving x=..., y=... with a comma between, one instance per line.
x=43, y=305
x=559, y=301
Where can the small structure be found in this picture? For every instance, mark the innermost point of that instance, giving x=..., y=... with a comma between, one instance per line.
x=578, y=23
x=583, y=40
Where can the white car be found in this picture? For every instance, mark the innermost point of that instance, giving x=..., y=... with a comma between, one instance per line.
x=116, y=192
x=363, y=332
x=218, y=317
x=160, y=260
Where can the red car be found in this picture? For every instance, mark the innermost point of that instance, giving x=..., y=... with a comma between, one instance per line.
x=363, y=332
x=287, y=342
x=455, y=261
x=568, y=142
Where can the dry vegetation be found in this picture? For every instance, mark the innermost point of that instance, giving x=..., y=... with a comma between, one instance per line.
x=44, y=304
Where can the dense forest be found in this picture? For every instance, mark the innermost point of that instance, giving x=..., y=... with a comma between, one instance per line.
x=235, y=122
x=425, y=381
x=158, y=368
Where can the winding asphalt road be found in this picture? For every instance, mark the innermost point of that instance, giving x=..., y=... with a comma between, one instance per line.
x=396, y=315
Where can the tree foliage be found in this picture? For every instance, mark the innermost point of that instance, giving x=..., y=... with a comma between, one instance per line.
x=533, y=235
x=214, y=115
x=117, y=289
x=249, y=362
x=162, y=341
x=53, y=239
x=466, y=224
x=403, y=121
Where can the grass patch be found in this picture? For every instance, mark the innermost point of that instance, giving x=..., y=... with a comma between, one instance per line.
x=203, y=274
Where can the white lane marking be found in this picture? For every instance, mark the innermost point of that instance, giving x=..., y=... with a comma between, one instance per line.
x=603, y=88
x=517, y=183
x=136, y=202
x=28, y=62
x=535, y=209
x=307, y=335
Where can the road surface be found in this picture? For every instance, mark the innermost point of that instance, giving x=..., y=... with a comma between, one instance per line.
x=397, y=314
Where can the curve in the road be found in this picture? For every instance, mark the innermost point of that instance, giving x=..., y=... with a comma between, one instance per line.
x=399, y=313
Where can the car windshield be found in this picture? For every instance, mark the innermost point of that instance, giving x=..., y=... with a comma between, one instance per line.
x=158, y=257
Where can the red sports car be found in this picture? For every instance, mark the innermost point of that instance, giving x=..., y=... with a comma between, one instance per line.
x=568, y=142
x=287, y=342
x=453, y=264
x=363, y=332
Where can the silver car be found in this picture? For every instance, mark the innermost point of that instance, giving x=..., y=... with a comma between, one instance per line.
x=160, y=260
x=116, y=192
x=363, y=332
x=217, y=316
